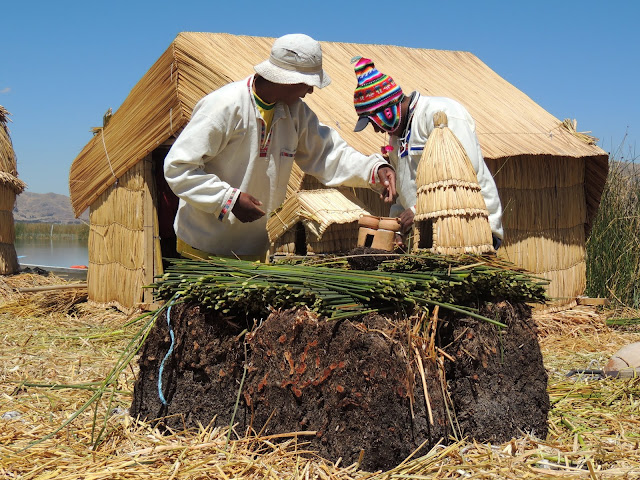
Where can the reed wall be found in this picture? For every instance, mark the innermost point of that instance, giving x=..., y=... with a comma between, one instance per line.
x=544, y=219
x=124, y=254
x=337, y=238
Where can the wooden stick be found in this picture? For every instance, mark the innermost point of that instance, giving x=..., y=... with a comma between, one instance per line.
x=44, y=288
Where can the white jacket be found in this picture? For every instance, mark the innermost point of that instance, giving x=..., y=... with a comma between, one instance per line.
x=407, y=152
x=218, y=155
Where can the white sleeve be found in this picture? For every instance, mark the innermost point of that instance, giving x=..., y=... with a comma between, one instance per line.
x=202, y=138
x=323, y=153
x=463, y=127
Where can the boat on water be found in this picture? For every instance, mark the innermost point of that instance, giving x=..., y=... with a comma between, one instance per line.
x=74, y=272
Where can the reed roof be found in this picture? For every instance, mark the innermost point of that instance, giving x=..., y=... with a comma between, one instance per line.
x=509, y=123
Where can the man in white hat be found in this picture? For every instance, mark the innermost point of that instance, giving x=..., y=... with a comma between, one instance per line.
x=231, y=164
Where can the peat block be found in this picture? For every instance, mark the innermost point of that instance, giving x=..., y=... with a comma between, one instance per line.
x=357, y=384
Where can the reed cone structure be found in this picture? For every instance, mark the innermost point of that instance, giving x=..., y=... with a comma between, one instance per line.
x=451, y=215
x=10, y=187
x=549, y=178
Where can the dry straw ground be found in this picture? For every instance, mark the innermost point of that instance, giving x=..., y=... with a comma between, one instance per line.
x=57, y=351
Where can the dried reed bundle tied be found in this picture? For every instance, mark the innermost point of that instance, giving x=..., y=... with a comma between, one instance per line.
x=10, y=186
x=8, y=259
x=451, y=215
x=572, y=127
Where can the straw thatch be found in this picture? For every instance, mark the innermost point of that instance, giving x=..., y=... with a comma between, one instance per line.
x=450, y=209
x=512, y=129
x=508, y=122
x=10, y=187
x=329, y=219
x=545, y=211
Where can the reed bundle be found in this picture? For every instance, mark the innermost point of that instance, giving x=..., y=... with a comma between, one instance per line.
x=451, y=215
x=8, y=257
x=10, y=186
x=572, y=127
x=29, y=294
x=48, y=302
x=336, y=292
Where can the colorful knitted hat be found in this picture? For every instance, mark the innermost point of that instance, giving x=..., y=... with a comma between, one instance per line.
x=376, y=98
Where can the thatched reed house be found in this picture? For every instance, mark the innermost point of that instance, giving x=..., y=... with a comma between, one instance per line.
x=550, y=179
x=10, y=187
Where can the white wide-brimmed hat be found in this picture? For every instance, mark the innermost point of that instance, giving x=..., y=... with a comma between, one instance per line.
x=295, y=58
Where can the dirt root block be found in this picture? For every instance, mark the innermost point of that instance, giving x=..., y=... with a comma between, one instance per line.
x=358, y=385
x=498, y=382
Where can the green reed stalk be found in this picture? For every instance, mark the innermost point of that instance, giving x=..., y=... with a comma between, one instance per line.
x=613, y=246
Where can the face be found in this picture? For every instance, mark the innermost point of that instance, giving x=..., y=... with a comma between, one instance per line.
x=378, y=129
x=290, y=94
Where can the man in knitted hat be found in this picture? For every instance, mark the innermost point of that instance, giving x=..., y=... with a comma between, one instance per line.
x=231, y=164
x=408, y=120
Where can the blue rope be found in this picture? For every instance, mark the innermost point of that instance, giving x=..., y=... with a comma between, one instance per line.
x=160, y=394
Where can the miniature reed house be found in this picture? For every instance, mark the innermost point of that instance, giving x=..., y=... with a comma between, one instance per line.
x=451, y=215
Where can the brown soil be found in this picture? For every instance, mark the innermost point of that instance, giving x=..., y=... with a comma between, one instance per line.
x=356, y=383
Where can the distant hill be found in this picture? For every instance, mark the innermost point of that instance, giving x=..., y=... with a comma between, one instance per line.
x=45, y=208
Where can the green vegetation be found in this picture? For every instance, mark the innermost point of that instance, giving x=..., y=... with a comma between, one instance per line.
x=71, y=231
x=335, y=291
x=613, y=247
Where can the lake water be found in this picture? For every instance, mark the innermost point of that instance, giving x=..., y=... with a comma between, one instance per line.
x=54, y=252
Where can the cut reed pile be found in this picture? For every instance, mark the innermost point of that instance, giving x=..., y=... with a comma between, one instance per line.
x=51, y=365
x=329, y=288
x=38, y=303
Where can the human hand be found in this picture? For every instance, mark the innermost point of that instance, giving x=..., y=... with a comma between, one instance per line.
x=398, y=241
x=247, y=208
x=406, y=220
x=387, y=177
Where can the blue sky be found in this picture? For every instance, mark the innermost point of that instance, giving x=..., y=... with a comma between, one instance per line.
x=64, y=63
